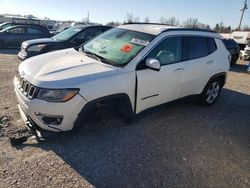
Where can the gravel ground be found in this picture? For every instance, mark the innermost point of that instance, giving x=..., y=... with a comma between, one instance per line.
x=178, y=145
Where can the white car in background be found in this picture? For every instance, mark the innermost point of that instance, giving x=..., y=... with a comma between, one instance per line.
x=245, y=54
x=129, y=69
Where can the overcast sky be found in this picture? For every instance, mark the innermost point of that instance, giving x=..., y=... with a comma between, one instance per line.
x=102, y=11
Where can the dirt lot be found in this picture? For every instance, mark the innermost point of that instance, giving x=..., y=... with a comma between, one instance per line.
x=179, y=145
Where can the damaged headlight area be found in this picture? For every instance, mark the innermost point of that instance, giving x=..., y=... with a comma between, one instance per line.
x=36, y=48
x=56, y=95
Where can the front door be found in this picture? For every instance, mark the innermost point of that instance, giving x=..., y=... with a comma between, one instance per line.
x=15, y=36
x=158, y=87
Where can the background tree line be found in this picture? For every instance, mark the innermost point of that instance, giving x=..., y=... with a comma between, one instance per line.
x=173, y=21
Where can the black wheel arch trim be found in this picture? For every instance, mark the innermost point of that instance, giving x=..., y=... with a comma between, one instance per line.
x=82, y=114
x=218, y=75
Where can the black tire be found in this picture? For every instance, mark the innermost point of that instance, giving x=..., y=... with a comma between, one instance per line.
x=211, y=92
x=1, y=44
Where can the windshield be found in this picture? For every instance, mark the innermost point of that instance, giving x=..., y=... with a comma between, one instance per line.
x=67, y=34
x=118, y=46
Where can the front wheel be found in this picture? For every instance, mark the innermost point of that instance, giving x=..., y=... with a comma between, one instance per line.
x=211, y=92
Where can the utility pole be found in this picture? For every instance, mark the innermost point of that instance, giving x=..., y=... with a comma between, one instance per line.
x=242, y=14
x=88, y=17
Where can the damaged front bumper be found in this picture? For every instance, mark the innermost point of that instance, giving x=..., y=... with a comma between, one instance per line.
x=39, y=115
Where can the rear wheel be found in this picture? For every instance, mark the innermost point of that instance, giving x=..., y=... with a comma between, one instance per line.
x=211, y=92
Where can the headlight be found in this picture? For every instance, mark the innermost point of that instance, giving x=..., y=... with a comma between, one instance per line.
x=36, y=48
x=57, y=95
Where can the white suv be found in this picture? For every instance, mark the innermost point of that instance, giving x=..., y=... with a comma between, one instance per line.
x=132, y=67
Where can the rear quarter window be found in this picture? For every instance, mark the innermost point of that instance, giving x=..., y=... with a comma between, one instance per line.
x=230, y=44
x=211, y=45
x=33, y=31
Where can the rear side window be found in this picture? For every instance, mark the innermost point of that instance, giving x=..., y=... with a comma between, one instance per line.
x=197, y=47
x=33, y=31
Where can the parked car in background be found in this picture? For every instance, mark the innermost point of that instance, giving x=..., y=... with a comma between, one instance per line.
x=125, y=70
x=15, y=35
x=245, y=53
x=72, y=37
x=59, y=30
x=233, y=49
x=242, y=38
x=6, y=25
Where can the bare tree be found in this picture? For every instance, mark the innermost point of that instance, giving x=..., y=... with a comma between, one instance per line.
x=162, y=20
x=221, y=28
x=191, y=23
x=113, y=24
x=146, y=19
x=172, y=21
x=130, y=17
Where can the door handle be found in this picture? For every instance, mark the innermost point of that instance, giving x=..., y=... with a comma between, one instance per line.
x=210, y=62
x=179, y=70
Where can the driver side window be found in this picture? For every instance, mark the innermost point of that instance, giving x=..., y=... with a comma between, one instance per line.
x=168, y=51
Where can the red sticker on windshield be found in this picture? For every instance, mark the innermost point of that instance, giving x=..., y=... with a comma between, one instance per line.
x=127, y=48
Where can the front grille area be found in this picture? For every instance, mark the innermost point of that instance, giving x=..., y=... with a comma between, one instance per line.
x=26, y=88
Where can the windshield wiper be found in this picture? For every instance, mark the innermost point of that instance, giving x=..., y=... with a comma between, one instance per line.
x=98, y=57
x=92, y=55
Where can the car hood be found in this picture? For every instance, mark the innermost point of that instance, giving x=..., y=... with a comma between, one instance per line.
x=63, y=69
x=39, y=41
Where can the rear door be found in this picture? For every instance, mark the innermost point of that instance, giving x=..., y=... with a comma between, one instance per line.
x=33, y=33
x=201, y=63
x=158, y=87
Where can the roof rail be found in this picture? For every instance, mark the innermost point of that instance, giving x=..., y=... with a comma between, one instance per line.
x=127, y=23
x=188, y=29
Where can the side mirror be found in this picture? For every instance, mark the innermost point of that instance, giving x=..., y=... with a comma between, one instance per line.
x=153, y=64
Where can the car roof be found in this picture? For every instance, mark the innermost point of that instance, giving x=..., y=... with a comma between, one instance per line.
x=30, y=26
x=24, y=25
x=87, y=26
x=153, y=29
x=156, y=29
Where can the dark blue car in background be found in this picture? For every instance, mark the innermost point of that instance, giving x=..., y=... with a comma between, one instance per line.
x=15, y=35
